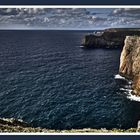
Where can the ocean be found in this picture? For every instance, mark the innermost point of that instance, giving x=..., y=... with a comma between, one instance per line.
x=48, y=80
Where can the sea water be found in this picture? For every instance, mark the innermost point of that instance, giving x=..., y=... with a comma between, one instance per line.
x=48, y=80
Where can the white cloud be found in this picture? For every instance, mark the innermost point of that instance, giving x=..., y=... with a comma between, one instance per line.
x=72, y=17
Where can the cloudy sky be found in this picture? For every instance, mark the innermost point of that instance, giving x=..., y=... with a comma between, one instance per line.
x=72, y=18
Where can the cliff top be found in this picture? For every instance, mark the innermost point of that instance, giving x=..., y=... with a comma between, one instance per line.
x=121, y=29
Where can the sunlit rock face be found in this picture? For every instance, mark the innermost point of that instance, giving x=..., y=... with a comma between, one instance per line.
x=130, y=62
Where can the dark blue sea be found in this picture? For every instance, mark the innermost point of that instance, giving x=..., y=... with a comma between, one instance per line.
x=48, y=80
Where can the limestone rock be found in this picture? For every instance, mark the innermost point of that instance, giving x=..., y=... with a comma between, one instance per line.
x=130, y=62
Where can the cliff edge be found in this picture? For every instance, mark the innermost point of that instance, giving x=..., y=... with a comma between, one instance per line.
x=130, y=62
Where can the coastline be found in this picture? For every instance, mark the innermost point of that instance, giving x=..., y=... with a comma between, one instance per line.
x=16, y=126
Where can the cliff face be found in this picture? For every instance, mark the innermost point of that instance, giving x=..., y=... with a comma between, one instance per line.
x=130, y=62
x=110, y=38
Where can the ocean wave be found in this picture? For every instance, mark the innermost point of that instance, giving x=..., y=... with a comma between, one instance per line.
x=127, y=89
x=132, y=97
x=117, y=76
x=129, y=95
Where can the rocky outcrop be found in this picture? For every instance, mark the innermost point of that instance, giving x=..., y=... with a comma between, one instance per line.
x=13, y=122
x=130, y=62
x=17, y=125
x=110, y=38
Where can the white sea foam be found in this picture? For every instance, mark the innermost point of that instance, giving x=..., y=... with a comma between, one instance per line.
x=127, y=89
x=117, y=76
x=133, y=97
x=129, y=95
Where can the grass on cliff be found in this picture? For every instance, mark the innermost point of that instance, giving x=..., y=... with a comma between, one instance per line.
x=13, y=125
x=18, y=129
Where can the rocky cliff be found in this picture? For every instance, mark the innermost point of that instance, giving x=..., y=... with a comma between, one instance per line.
x=110, y=38
x=130, y=62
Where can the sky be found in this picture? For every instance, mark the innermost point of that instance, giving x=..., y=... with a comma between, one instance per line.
x=69, y=18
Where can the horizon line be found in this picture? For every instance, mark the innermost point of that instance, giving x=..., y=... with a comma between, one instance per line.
x=76, y=29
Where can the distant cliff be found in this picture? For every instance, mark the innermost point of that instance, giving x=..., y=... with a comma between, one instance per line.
x=130, y=62
x=110, y=38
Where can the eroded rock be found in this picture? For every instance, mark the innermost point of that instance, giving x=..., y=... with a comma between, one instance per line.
x=130, y=62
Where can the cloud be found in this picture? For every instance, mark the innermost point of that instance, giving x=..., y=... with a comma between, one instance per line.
x=69, y=18
x=126, y=11
x=126, y=17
